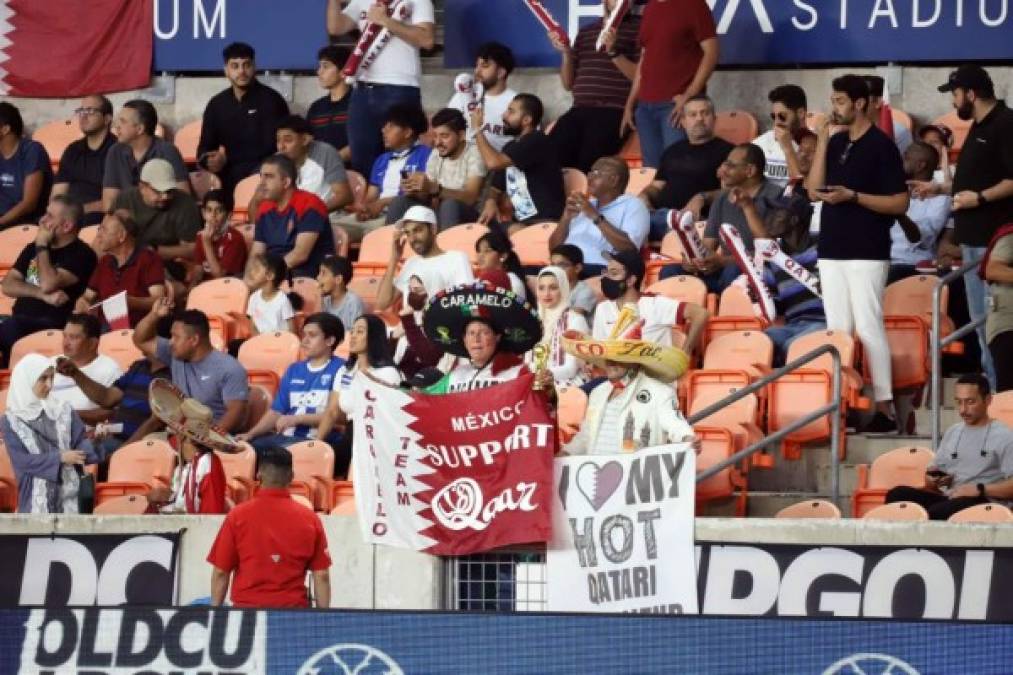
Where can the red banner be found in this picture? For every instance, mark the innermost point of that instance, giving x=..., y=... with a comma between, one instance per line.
x=66, y=48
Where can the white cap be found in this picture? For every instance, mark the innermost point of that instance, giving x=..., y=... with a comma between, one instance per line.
x=420, y=214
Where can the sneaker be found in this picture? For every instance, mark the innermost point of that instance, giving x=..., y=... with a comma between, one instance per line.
x=881, y=424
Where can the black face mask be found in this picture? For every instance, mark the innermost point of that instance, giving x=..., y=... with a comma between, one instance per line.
x=612, y=289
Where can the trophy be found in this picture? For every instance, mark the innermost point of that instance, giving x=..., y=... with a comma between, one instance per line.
x=541, y=358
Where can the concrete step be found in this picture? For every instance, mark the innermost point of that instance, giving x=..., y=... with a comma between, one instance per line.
x=923, y=418
x=865, y=449
x=765, y=505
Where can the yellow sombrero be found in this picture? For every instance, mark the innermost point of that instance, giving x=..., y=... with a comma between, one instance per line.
x=625, y=345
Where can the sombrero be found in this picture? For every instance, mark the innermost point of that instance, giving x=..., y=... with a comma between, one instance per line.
x=187, y=417
x=625, y=345
x=449, y=311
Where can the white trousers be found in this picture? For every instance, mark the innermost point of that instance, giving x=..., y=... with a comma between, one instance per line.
x=853, y=301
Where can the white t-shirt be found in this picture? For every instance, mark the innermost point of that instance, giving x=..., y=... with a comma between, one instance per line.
x=660, y=315
x=398, y=62
x=466, y=377
x=777, y=165
x=348, y=384
x=455, y=173
x=269, y=315
x=451, y=268
x=494, y=105
x=518, y=286
x=103, y=370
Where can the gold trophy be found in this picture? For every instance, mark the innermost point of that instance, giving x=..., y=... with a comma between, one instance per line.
x=541, y=357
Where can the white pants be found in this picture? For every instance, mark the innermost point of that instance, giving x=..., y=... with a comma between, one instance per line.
x=853, y=301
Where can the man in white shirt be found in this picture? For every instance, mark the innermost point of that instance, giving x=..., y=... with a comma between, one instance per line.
x=914, y=236
x=493, y=66
x=394, y=75
x=80, y=345
x=780, y=144
x=321, y=170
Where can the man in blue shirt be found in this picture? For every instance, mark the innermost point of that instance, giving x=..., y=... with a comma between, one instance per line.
x=26, y=176
x=302, y=395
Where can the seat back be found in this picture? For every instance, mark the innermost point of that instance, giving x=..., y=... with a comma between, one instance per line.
x=55, y=136
x=242, y=464
x=574, y=180
x=142, y=461
x=739, y=350
x=683, y=288
x=900, y=466
x=531, y=244
x=367, y=288
x=125, y=505
x=899, y=511
x=960, y=129
x=186, y=140
x=671, y=247
x=630, y=152
x=908, y=337
x=119, y=346
x=270, y=351
x=639, y=179
x=716, y=445
x=241, y=196
x=806, y=343
x=259, y=404
x=735, y=302
x=313, y=461
x=1001, y=407
x=983, y=513
x=309, y=290
x=461, y=238
x=217, y=297
x=913, y=297
x=374, y=251
x=813, y=508
x=88, y=234
x=12, y=241
x=736, y=126
x=49, y=343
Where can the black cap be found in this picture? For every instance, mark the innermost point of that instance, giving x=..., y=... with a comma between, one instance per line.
x=425, y=378
x=969, y=76
x=630, y=259
x=940, y=129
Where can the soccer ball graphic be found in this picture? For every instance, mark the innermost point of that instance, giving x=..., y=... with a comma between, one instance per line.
x=868, y=664
x=350, y=659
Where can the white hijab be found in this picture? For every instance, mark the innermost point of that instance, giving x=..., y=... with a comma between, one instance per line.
x=550, y=315
x=22, y=402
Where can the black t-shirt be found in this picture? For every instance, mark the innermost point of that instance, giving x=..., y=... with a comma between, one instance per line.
x=871, y=165
x=245, y=127
x=82, y=168
x=534, y=179
x=689, y=170
x=986, y=159
x=329, y=120
x=77, y=258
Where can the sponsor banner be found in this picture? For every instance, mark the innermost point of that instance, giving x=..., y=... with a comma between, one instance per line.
x=623, y=533
x=89, y=569
x=455, y=473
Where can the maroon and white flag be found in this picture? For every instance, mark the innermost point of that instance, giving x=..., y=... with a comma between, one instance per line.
x=452, y=474
x=115, y=310
x=69, y=48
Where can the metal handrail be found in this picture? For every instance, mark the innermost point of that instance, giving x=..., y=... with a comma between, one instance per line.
x=937, y=343
x=833, y=407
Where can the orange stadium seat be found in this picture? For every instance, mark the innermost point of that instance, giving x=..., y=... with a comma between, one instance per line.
x=684, y=288
x=734, y=301
x=574, y=180
x=259, y=403
x=897, y=511
x=269, y=353
x=309, y=290
x=374, y=251
x=124, y=505
x=303, y=501
x=12, y=241
x=88, y=234
x=49, y=343
x=639, y=179
x=901, y=466
x=814, y=508
x=736, y=126
x=532, y=244
x=1001, y=407
x=718, y=445
x=671, y=253
x=241, y=197
x=223, y=301
x=739, y=417
x=119, y=346
x=240, y=473
x=913, y=297
x=909, y=351
x=750, y=351
x=367, y=289
x=186, y=139
x=343, y=498
x=55, y=136
x=136, y=468
x=8, y=482
x=631, y=151
x=3, y=402
x=462, y=238
x=313, y=468
x=983, y=513
x=960, y=129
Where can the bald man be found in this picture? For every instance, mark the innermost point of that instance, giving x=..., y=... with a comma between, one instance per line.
x=915, y=235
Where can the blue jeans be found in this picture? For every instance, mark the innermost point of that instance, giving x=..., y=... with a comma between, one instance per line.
x=655, y=131
x=366, y=110
x=659, y=225
x=783, y=336
x=715, y=282
x=977, y=303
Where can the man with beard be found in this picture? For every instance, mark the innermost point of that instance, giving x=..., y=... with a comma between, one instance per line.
x=983, y=182
x=83, y=162
x=913, y=237
x=859, y=177
x=780, y=144
x=493, y=66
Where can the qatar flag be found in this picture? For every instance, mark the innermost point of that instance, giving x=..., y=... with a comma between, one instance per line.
x=69, y=48
x=116, y=312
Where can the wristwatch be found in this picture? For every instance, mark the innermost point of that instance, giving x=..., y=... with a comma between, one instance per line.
x=981, y=491
x=612, y=55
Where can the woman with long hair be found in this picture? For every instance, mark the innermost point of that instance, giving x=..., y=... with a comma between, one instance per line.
x=557, y=317
x=496, y=252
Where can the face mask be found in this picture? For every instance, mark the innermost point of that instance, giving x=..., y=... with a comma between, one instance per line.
x=417, y=301
x=612, y=289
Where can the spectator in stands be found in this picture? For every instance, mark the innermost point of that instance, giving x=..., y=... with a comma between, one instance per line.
x=494, y=251
x=49, y=275
x=83, y=162
x=454, y=175
x=687, y=176
x=198, y=482
x=780, y=144
x=135, y=127
x=859, y=177
x=80, y=348
x=200, y=371
x=527, y=174
x=493, y=65
x=321, y=170
x=557, y=317
x=600, y=82
x=913, y=237
x=269, y=308
x=392, y=79
x=940, y=137
x=335, y=297
x=124, y=266
x=606, y=218
x=221, y=248
x=45, y=440
x=328, y=115
x=271, y=526
x=291, y=222
x=570, y=259
x=435, y=268
x=237, y=132
x=26, y=176
x=405, y=155
x=983, y=181
x=806, y=151
x=997, y=269
x=621, y=286
x=900, y=133
x=679, y=50
x=302, y=394
x=974, y=460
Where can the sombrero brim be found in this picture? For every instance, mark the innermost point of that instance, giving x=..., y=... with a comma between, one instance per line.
x=448, y=313
x=166, y=400
x=662, y=363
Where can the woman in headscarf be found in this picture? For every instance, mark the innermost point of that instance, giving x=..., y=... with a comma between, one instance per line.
x=45, y=440
x=557, y=317
x=495, y=252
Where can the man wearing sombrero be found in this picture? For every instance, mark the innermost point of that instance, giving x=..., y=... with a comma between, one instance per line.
x=635, y=407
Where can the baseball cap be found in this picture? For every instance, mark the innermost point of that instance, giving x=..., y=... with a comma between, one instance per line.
x=630, y=259
x=968, y=76
x=159, y=175
x=420, y=214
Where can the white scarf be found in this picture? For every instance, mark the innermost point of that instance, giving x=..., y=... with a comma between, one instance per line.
x=554, y=318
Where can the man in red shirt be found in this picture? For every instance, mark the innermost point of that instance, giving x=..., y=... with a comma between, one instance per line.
x=679, y=50
x=266, y=545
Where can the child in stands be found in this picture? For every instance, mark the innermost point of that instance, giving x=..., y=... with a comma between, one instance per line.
x=334, y=277
x=269, y=308
x=221, y=249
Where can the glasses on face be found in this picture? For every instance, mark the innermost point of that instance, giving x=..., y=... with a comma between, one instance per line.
x=85, y=112
x=847, y=151
x=779, y=117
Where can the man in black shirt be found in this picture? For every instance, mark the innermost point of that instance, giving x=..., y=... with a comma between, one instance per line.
x=239, y=123
x=687, y=177
x=49, y=276
x=859, y=176
x=527, y=171
x=83, y=162
x=328, y=115
x=983, y=182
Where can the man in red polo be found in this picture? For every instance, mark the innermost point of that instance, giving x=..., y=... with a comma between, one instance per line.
x=266, y=545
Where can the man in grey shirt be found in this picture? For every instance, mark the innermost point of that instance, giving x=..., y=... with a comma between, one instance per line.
x=320, y=168
x=202, y=372
x=974, y=460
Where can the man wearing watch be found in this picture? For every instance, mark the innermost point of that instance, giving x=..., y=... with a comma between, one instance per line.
x=974, y=460
x=607, y=219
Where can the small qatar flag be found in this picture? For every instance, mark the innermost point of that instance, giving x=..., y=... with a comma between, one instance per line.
x=115, y=310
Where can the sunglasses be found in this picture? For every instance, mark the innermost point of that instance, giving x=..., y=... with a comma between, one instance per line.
x=85, y=112
x=779, y=117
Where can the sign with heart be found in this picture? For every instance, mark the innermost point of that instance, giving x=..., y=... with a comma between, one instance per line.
x=622, y=533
